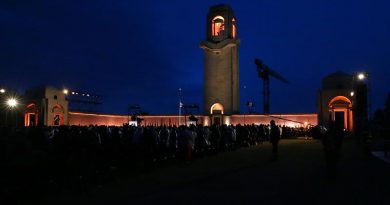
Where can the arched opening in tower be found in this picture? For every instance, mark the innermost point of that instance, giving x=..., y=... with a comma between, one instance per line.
x=234, y=32
x=217, y=26
x=216, y=109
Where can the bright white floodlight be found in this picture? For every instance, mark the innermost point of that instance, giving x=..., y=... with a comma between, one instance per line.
x=66, y=91
x=361, y=76
x=12, y=102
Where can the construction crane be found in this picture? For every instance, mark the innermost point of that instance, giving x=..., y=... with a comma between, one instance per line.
x=265, y=73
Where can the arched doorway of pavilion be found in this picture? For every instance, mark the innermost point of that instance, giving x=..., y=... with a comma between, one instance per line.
x=340, y=111
x=31, y=113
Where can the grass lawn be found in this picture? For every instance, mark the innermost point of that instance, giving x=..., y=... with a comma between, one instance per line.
x=247, y=176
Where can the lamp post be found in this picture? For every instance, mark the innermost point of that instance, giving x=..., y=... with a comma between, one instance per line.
x=3, y=114
x=11, y=103
x=362, y=94
x=361, y=114
x=180, y=106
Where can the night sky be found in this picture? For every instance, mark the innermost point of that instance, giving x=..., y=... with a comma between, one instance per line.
x=144, y=52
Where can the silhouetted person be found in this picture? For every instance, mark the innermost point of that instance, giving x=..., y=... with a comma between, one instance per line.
x=332, y=142
x=274, y=139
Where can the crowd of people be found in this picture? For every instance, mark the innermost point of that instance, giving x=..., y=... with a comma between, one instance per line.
x=76, y=156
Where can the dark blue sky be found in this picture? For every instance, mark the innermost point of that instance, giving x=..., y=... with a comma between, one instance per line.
x=142, y=52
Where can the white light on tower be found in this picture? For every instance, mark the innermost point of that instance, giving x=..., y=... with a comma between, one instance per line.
x=2, y=90
x=12, y=102
x=361, y=76
x=352, y=94
x=66, y=91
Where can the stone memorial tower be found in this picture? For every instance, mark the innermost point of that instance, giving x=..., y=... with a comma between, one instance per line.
x=221, y=83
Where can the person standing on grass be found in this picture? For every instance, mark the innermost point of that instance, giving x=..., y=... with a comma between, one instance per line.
x=274, y=139
x=332, y=142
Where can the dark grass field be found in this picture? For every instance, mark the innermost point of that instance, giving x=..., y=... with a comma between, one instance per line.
x=248, y=176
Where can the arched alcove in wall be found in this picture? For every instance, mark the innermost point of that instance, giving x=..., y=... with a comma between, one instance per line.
x=57, y=115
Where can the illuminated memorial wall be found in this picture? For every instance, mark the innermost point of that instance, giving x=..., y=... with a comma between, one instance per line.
x=291, y=120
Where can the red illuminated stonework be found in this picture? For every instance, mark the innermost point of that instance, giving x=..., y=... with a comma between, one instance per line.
x=291, y=120
x=51, y=108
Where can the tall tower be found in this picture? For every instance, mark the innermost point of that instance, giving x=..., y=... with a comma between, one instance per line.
x=221, y=86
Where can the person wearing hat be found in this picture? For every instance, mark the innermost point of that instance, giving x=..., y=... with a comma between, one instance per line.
x=274, y=139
